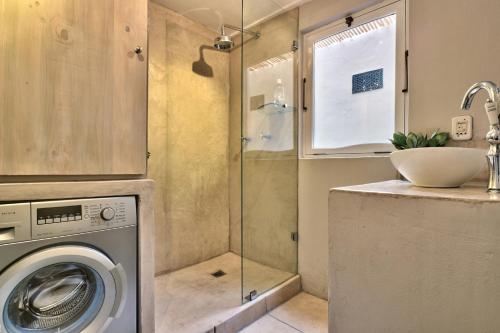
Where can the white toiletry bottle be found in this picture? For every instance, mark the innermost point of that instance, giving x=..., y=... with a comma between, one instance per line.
x=279, y=93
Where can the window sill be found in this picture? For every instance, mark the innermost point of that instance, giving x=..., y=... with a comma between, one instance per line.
x=344, y=156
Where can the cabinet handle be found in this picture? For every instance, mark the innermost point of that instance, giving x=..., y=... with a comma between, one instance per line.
x=138, y=49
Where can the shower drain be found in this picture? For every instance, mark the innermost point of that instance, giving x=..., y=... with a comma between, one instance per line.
x=218, y=273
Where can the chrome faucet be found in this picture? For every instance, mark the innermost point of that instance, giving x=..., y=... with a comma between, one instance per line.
x=491, y=106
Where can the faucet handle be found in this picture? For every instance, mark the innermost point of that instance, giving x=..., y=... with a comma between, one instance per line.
x=493, y=135
x=492, y=111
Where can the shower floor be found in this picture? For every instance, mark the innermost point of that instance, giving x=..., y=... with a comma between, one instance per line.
x=191, y=300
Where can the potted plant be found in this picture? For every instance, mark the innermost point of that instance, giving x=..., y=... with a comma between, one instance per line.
x=419, y=140
x=425, y=161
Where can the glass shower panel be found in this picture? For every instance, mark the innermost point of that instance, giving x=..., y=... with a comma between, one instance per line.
x=269, y=149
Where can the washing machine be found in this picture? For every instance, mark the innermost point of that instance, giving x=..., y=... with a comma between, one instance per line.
x=69, y=266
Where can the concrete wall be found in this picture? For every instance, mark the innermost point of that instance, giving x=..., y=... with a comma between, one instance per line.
x=188, y=139
x=450, y=48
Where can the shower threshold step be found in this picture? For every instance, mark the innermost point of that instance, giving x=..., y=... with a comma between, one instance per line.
x=253, y=310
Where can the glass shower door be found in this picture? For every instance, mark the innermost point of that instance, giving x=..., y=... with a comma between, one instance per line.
x=269, y=174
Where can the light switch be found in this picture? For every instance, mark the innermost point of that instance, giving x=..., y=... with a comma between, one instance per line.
x=461, y=128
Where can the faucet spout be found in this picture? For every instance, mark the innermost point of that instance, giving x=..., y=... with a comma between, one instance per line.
x=489, y=86
x=492, y=107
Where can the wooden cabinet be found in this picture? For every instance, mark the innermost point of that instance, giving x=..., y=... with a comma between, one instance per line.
x=73, y=89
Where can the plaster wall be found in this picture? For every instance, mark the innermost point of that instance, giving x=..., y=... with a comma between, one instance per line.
x=450, y=49
x=316, y=178
x=450, y=46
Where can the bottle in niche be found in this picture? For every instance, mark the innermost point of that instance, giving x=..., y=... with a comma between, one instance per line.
x=279, y=93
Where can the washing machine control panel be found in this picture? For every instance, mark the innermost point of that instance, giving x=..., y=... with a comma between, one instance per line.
x=66, y=217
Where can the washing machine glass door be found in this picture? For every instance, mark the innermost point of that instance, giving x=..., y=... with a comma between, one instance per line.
x=61, y=289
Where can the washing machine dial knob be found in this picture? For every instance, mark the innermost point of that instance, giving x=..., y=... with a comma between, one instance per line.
x=107, y=213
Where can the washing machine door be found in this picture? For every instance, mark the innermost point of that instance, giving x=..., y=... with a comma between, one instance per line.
x=63, y=289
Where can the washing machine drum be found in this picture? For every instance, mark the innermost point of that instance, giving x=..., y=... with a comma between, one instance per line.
x=61, y=289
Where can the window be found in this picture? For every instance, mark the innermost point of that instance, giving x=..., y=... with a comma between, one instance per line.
x=354, y=82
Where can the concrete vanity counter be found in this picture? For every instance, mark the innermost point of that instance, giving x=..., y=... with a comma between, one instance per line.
x=409, y=259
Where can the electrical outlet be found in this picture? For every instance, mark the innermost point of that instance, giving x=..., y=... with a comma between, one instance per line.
x=461, y=128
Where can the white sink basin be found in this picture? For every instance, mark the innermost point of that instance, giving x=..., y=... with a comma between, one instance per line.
x=440, y=166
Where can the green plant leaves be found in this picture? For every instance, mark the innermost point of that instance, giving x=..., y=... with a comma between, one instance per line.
x=418, y=140
x=399, y=140
x=412, y=140
x=438, y=139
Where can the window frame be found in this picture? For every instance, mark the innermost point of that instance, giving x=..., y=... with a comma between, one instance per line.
x=383, y=9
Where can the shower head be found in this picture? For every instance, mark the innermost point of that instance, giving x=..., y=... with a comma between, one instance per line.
x=224, y=42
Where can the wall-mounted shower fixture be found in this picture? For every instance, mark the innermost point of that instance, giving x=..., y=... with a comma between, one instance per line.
x=225, y=42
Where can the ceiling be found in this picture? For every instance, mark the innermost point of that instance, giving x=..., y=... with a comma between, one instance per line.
x=212, y=13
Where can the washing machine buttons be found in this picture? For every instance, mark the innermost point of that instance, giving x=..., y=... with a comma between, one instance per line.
x=62, y=218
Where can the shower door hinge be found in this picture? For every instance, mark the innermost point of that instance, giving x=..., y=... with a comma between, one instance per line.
x=295, y=46
x=295, y=236
x=251, y=296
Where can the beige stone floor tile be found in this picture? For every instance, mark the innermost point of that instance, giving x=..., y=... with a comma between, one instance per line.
x=304, y=312
x=268, y=324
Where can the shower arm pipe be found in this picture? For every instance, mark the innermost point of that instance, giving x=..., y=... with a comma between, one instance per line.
x=232, y=27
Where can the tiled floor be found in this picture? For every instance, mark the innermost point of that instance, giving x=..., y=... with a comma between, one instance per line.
x=191, y=300
x=303, y=313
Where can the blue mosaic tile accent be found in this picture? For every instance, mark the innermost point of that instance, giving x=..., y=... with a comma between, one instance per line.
x=368, y=81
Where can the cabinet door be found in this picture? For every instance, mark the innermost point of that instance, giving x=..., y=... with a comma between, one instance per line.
x=73, y=91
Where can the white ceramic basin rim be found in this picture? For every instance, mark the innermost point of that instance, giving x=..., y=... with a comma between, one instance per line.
x=439, y=166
